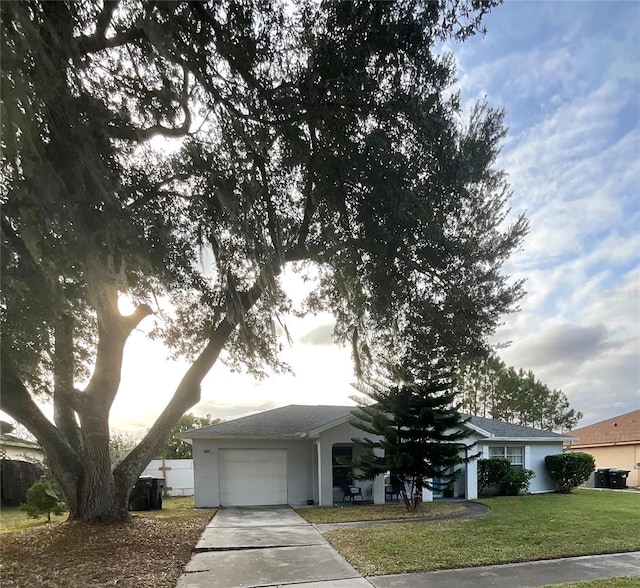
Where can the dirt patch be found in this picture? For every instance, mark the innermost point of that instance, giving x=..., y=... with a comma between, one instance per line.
x=145, y=553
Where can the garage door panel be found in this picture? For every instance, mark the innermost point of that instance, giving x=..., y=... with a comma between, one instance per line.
x=250, y=477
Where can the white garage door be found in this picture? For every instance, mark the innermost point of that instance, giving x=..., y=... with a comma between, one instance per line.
x=250, y=477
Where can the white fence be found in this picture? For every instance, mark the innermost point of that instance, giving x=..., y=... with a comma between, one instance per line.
x=177, y=475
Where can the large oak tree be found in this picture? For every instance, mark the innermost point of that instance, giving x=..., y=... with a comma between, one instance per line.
x=181, y=153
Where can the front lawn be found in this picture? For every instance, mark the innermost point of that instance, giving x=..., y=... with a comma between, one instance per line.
x=148, y=553
x=14, y=519
x=624, y=582
x=386, y=512
x=522, y=528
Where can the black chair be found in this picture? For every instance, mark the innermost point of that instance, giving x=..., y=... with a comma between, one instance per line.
x=392, y=488
x=351, y=491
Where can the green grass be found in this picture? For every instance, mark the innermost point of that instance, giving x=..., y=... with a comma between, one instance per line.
x=522, y=528
x=172, y=506
x=387, y=512
x=624, y=582
x=14, y=519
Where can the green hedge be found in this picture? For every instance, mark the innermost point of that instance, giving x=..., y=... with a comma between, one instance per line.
x=491, y=472
x=569, y=470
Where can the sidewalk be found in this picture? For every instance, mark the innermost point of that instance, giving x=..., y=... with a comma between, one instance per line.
x=521, y=575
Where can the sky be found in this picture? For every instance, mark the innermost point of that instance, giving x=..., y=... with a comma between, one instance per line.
x=568, y=76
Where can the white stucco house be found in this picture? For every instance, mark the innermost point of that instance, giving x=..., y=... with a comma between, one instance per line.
x=17, y=449
x=290, y=455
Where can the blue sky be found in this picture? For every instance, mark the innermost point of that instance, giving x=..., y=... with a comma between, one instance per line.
x=568, y=76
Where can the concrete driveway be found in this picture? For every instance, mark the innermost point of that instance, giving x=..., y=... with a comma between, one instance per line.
x=266, y=546
x=274, y=546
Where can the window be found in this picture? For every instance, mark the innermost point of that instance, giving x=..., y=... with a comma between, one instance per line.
x=515, y=455
x=342, y=475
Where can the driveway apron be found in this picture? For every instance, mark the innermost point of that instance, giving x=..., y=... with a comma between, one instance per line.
x=266, y=546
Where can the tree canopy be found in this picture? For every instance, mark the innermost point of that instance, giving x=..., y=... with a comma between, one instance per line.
x=489, y=388
x=181, y=153
x=175, y=448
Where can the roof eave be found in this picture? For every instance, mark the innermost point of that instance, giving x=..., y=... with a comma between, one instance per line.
x=479, y=430
x=295, y=437
x=315, y=433
x=532, y=439
x=605, y=444
x=22, y=445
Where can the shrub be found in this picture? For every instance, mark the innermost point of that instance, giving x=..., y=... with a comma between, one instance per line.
x=491, y=472
x=515, y=481
x=569, y=470
x=44, y=497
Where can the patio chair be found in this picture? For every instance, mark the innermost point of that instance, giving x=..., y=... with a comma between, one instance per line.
x=352, y=492
x=391, y=490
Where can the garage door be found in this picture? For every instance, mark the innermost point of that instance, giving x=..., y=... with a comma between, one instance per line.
x=250, y=477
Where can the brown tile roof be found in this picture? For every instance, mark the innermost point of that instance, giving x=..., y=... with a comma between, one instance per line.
x=620, y=429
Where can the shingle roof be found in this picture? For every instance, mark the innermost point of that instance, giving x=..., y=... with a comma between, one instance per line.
x=17, y=441
x=509, y=430
x=288, y=421
x=298, y=420
x=624, y=428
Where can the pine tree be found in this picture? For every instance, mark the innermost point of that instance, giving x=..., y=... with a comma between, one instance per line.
x=416, y=434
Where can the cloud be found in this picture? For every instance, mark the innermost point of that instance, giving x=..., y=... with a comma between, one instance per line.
x=322, y=335
x=607, y=385
x=230, y=411
x=566, y=345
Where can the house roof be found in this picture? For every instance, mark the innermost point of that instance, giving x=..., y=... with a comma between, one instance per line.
x=492, y=428
x=294, y=420
x=299, y=421
x=13, y=441
x=619, y=430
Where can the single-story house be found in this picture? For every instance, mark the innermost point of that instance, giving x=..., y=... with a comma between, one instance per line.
x=291, y=455
x=16, y=448
x=20, y=465
x=614, y=443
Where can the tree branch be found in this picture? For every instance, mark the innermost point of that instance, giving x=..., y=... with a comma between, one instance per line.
x=113, y=331
x=126, y=131
x=99, y=41
x=95, y=43
x=63, y=376
x=187, y=393
x=104, y=18
x=17, y=403
x=309, y=204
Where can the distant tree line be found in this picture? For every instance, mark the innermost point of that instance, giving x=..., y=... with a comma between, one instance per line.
x=488, y=388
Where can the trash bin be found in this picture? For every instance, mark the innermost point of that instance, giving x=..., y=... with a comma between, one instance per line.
x=157, y=486
x=602, y=478
x=140, y=497
x=618, y=478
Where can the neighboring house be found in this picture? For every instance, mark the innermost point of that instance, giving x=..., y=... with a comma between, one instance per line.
x=20, y=465
x=14, y=448
x=614, y=443
x=291, y=455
